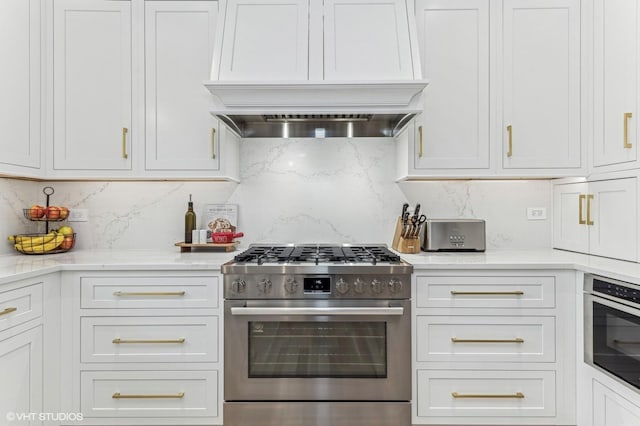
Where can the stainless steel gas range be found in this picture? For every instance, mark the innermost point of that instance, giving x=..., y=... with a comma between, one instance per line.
x=317, y=335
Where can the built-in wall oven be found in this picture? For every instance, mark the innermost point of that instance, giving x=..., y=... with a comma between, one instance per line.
x=317, y=342
x=612, y=327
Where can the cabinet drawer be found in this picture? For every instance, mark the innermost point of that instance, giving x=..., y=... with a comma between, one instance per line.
x=149, y=339
x=149, y=393
x=149, y=292
x=486, y=393
x=20, y=305
x=485, y=292
x=485, y=339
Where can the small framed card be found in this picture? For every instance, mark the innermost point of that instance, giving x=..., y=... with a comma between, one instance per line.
x=221, y=217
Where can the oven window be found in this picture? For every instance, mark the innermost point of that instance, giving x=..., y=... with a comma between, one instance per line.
x=616, y=342
x=318, y=349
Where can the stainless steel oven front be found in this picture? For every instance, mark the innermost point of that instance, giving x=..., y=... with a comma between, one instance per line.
x=317, y=358
x=612, y=328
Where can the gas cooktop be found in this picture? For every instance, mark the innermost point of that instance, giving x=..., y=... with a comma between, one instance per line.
x=316, y=254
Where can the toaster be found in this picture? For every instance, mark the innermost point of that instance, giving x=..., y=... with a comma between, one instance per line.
x=453, y=235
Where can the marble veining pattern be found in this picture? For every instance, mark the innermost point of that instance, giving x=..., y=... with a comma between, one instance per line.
x=291, y=190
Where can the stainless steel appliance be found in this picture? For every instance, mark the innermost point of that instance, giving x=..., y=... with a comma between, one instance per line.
x=317, y=335
x=454, y=235
x=612, y=327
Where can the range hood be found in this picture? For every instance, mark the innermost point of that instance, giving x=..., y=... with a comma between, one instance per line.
x=304, y=69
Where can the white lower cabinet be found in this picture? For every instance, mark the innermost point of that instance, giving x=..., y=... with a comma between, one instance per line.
x=494, y=347
x=612, y=409
x=143, y=347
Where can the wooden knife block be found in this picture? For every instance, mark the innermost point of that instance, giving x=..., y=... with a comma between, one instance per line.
x=404, y=245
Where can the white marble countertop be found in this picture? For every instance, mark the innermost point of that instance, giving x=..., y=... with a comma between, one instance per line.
x=18, y=266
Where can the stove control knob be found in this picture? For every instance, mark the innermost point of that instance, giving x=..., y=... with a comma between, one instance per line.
x=291, y=285
x=358, y=286
x=238, y=286
x=376, y=286
x=395, y=285
x=264, y=286
x=342, y=287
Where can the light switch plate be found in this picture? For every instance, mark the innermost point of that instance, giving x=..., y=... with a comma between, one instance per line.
x=536, y=213
x=78, y=215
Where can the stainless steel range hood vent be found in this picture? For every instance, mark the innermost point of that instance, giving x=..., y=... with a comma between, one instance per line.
x=316, y=125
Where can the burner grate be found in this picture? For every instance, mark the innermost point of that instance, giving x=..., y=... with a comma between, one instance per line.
x=315, y=254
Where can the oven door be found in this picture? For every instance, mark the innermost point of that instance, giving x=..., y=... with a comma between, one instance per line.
x=612, y=338
x=317, y=350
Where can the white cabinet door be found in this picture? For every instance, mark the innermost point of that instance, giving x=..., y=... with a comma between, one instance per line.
x=610, y=409
x=454, y=49
x=366, y=40
x=21, y=372
x=92, y=85
x=569, y=224
x=20, y=83
x=541, y=71
x=270, y=40
x=615, y=81
x=179, y=42
x=614, y=217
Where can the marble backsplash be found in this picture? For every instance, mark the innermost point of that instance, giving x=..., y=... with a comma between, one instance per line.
x=292, y=190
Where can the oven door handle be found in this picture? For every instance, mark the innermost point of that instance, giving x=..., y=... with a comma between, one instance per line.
x=363, y=311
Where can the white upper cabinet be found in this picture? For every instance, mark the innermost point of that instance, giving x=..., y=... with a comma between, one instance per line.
x=92, y=85
x=453, y=131
x=180, y=132
x=366, y=40
x=20, y=98
x=615, y=97
x=265, y=40
x=598, y=217
x=299, y=40
x=541, y=83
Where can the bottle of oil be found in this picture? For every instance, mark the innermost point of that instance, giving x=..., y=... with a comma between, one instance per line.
x=189, y=222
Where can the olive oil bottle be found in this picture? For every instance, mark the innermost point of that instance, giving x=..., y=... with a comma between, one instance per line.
x=189, y=222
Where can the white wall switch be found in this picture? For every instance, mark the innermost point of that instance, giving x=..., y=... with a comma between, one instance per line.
x=536, y=213
x=78, y=215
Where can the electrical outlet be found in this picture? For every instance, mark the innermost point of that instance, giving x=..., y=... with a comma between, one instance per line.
x=78, y=215
x=536, y=213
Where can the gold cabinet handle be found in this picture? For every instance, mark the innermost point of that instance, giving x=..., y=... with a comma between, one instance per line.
x=420, y=152
x=213, y=143
x=118, y=341
x=589, y=198
x=487, y=293
x=8, y=311
x=627, y=116
x=149, y=293
x=475, y=395
x=124, y=142
x=516, y=340
x=510, y=132
x=581, y=199
x=118, y=395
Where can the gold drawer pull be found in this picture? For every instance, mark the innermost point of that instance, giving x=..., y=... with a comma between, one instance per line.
x=149, y=293
x=627, y=116
x=581, y=199
x=119, y=340
x=473, y=395
x=626, y=342
x=420, y=152
x=487, y=293
x=8, y=311
x=118, y=395
x=516, y=340
x=510, y=150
